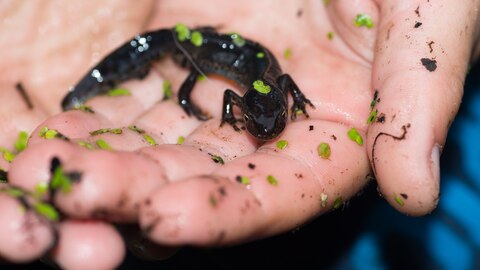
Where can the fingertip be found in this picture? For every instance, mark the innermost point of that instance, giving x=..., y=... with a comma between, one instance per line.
x=71, y=124
x=24, y=236
x=407, y=171
x=213, y=211
x=32, y=166
x=88, y=245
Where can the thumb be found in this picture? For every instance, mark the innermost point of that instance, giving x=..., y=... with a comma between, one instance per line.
x=421, y=58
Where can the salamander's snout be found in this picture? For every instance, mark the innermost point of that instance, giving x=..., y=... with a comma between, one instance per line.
x=265, y=127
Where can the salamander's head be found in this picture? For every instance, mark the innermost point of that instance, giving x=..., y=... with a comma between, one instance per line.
x=265, y=111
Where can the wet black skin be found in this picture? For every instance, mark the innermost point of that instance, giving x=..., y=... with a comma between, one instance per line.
x=264, y=114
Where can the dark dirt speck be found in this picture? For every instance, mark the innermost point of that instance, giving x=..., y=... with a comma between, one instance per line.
x=429, y=64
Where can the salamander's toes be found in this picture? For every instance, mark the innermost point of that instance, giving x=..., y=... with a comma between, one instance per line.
x=231, y=122
x=191, y=109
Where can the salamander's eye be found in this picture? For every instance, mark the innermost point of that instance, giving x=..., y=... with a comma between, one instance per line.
x=246, y=118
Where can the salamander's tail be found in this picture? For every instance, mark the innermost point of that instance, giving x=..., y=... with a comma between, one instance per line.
x=131, y=60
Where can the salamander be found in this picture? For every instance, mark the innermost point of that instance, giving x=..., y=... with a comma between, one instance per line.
x=264, y=104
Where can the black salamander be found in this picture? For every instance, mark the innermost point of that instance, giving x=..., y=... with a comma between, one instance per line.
x=264, y=105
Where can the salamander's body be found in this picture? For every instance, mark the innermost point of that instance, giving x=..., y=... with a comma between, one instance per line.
x=264, y=104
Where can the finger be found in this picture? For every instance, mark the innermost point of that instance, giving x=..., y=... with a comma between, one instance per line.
x=112, y=185
x=32, y=167
x=347, y=23
x=422, y=54
x=69, y=125
x=167, y=122
x=139, y=96
x=137, y=175
x=88, y=244
x=24, y=236
x=226, y=207
x=206, y=149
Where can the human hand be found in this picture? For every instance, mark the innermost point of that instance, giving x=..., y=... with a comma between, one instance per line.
x=319, y=66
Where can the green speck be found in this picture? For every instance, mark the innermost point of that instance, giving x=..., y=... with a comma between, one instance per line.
x=46, y=210
x=42, y=132
x=86, y=145
x=355, y=136
x=399, y=201
x=326, y=2
x=217, y=159
x=84, y=108
x=244, y=180
x=40, y=189
x=136, y=129
x=7, y=155
x=261, y=87
x=119, y=92
x=106, y=130
x=201, y=78
x=323, y=150
x=282, y=144
x=22, y=141
x=150, y=139
x=116, y=131
x=14, y=192
x=364, y=20
x=102, y=144
x=323, y=199
x=287, y=54
x=260, y=55
x=237, y=39
x=212, y=200
x=337, y=203
x=330, y=35
x=180, y=140
x=272, y=180
x=183, y=33
x=50, y=134
x=99, y=131
x=197, y=39
x=167, y=90
x=374, y=100
x=60, y=180
x=372, y=117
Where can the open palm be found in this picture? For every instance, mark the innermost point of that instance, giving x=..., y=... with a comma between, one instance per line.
x=184, y=194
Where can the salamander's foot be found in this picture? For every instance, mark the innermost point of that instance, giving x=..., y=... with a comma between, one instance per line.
x=231, y=121
x=298, y=107
x=191, y=109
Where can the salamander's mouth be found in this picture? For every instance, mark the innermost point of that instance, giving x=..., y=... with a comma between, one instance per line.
x=266, y=137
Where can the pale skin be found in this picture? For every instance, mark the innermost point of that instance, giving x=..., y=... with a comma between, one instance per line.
x=177, y=193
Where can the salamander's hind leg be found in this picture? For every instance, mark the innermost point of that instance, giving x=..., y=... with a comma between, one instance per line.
x=230, y=99
x=299, y=100
x=184, y=97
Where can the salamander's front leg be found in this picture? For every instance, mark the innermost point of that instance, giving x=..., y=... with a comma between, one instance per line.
x=230, y=99
x=184, y=97
x=286, y=83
